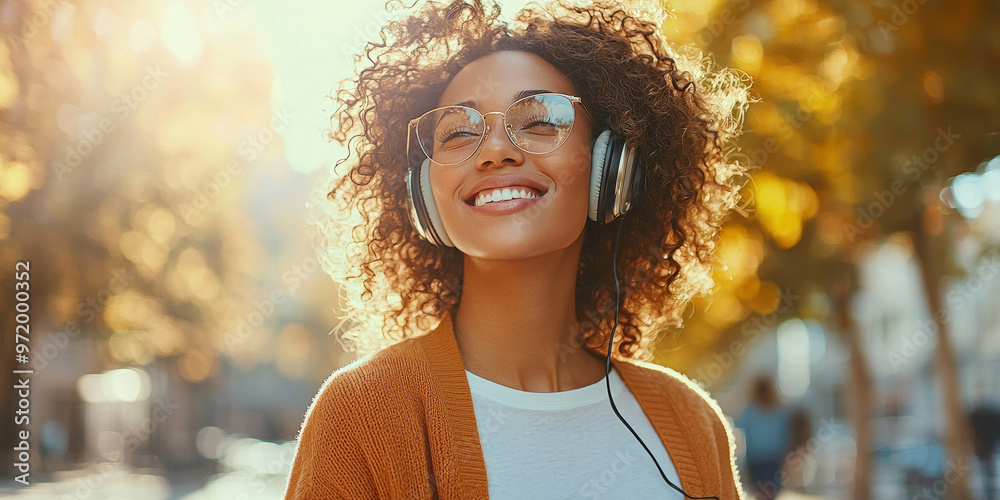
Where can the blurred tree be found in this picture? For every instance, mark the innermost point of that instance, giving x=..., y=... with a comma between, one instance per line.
x=122, y=162
x=865, y=109
x=859, y=387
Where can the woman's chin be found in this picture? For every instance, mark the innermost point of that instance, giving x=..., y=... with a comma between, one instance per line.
x=516, y=245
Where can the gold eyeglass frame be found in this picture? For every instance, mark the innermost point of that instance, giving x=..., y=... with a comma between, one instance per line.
x=507, y=127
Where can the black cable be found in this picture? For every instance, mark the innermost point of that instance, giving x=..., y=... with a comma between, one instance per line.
x=607, y=379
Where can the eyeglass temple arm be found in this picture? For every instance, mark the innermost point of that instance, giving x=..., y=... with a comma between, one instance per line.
x=580, y=101
x=406, y=154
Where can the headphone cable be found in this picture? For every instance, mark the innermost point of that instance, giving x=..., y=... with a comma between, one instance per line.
x=614, y=266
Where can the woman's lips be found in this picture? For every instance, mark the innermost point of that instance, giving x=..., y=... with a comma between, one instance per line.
x=504, y=207
x=495, y=192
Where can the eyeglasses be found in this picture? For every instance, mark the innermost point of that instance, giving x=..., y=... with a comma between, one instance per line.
x=537, y=124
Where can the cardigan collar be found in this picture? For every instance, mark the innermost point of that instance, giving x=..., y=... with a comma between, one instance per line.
x=646, y=386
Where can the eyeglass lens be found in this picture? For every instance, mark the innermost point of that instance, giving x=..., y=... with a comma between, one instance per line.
x=537, y=124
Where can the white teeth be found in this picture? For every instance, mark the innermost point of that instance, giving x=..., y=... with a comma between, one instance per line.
x=503, y=195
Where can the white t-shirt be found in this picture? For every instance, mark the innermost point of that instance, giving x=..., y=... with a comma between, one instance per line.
x=568, y=444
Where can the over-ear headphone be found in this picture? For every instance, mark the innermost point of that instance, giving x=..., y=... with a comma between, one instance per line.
x=616, y=172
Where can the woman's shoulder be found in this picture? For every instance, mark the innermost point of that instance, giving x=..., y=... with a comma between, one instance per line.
x=382, y=375
x=679, y=389
x=356, y=411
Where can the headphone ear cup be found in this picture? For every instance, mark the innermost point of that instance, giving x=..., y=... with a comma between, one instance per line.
x=421, y=215
x=597, y=165
x=413, y=199
x=435, y=227
x=615, y=177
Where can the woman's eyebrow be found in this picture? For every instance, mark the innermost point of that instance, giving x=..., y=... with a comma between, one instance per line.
x=521, y=94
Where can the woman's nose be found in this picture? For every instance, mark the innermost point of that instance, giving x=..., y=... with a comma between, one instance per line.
x=497, y=152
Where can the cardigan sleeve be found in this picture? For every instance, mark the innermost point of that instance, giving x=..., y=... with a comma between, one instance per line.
x=329, y=461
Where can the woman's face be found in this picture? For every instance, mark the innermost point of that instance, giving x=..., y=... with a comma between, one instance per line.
x=548, y=223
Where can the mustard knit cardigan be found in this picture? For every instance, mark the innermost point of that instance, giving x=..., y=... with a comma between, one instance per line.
x=399, y=424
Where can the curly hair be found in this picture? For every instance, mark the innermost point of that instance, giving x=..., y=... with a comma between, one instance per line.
x=679, y=110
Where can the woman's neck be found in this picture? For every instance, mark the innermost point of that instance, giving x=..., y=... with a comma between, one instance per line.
x=516, y=323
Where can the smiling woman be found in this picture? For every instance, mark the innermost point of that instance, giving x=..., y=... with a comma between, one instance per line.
x=507, y=176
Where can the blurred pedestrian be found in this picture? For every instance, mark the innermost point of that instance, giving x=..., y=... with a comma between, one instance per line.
x=765, y=425
x=984, y=420
x=800, y=431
